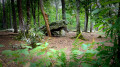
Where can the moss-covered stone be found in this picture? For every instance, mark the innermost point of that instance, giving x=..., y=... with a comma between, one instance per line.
x=55, y=28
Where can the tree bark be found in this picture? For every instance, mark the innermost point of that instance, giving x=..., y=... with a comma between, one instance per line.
x=14, y=17
x=33, y=10
x=86, y=15
x=77, y=16
x=4, y=16
x=63, y=10
x=21, y=22
x=56, y=5
x=119, y=36
x=10, y=15
x=96, y=27
x=45, y=18
x=1, y=14
x=38, y=13
x=28, y=14
x=91, y=23
x=86, y=20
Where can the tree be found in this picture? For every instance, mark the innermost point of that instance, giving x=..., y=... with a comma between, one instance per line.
x=63, y=10
x=91, y=22
x=119, y=34
x=10, y=14
x=86, y=16
x=38, y=13
x=56, y=6
x=33, y=10
x=14, y=17
x=77, y=17
x=4, y=16
x=28, y=14
x=45, y=18
x=19, y=5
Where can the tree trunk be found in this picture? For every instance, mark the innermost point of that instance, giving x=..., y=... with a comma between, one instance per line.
x=11, y=24
x=28, y=14
x=91, y=23
x=77, y=17
x=1, y=14
x=19, y=5
x=63, y=10
x=119, y=36
x=33, y=10
x=56, y=5
x=96, y=27
x=4, y=16
x=14, y=17
x=86, y=20
x=45, y=18
x=38, y=13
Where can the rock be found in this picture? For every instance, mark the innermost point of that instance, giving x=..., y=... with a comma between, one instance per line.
x=55, y=28
x=63, y=33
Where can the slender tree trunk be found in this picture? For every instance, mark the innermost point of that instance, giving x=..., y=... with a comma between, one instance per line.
x=77, y=17
x=21, y=22
x=4, y=16
x=86, y=20
x=28, y=14
x=1, y=14
x=10, y=15
x=45, y=18
x=33, y=10
x=96, y=27
x=56, y=5
x=63, y=10
x=91, y=23
x=119, y=35
x=14, y=17
x=38, y=13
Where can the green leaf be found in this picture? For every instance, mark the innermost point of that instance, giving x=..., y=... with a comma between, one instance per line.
x=1, y=64
x=46, y=44
x=53, y=50
x=28, y=47
x=7, y=52
x=73, y=64
x=77, y=52
x=96, y=11
x=41, y=53
x=86, y=65
x=38, y=44
x=22, y=51
x=33, y=65
x=97, y=25
x=2, y=45
x=91, y=51
x=101, y=27
x=84, y=46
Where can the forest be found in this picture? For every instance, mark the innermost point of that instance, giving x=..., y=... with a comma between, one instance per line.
x=59, y=33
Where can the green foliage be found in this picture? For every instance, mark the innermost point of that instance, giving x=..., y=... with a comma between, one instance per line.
x=1, y=45
x=1, y=64
x=32, y=38
x=49, y=57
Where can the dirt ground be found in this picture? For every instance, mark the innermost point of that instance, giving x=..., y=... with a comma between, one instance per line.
x=7, y=39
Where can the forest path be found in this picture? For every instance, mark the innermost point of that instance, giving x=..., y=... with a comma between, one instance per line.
x=67, y=41
x=7, y=39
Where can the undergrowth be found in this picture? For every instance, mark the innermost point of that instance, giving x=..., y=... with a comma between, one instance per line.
x=86, y=56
